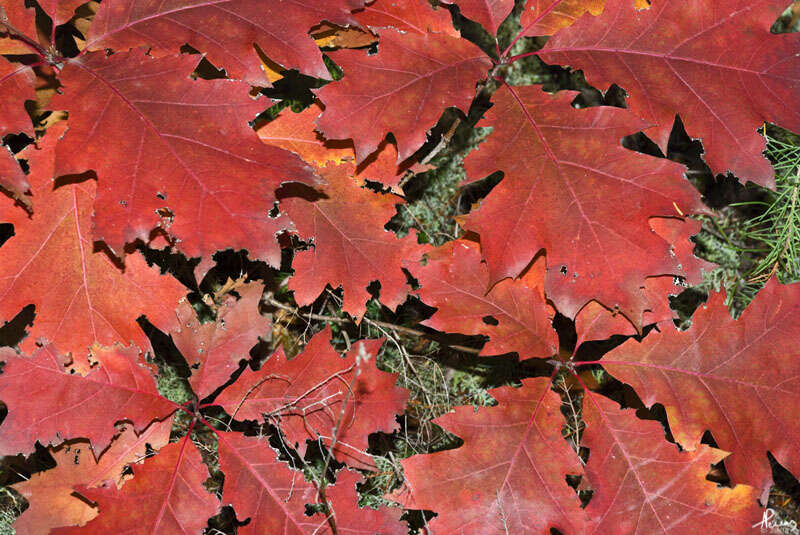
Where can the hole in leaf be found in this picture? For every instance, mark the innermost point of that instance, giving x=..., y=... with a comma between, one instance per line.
x=490, y=320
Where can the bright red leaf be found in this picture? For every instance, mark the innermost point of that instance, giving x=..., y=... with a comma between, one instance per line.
x=354, y=520
x=225, y=31
x=488, y=13
x=89, y=298
x=578, y=194
x=16, y=86
x=596, y=322
x=350, y=248
x=183, y=158
x=513, y=314
x=403, y=89
x=51, y=497
x=643, y=485
x=12, y=178
x=295, y=132
x=508, y=476
x=546, y=17
x=51, y=398
x=264, y=489
x=273, y=497
x=679, y=58
x=311, y=392
x=735, y=378
x=213, y=349
x=166, y=496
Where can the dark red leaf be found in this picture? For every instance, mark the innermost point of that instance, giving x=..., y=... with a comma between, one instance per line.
x=571, y=189
x=213, y=349
x=224, y=30
x=508, y=476
x=180, y=146
x=351, y=247
x=51, y=398
x=718, y=67
x=732, y=377
x=316, y=391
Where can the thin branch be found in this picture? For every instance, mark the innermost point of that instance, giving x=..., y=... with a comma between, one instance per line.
x=378, y=324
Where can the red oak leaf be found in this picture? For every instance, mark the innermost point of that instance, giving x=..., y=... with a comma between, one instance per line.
x=354, y=520
x=488, y=13
x=546, y=17
x=224, y=30
x=60, y=11
x=455, y=281
x=736, y=378
x=51, y=399
x=12, y=178
x=677, y=58
x=273, y=497
x=351, y=248
x=51, y=498
x=180, y=146
x=16, y=85
x=579, y=195
x=678, y=233
x=643, y=485
x=596, y=322
x=508, y=476
x=403, y=89
x=265, y=490
x=295, y=132
x=415, y=16
x=166, y=496
x=88, y=298
x=213, y=349
x=309, y=394
x=23, y=19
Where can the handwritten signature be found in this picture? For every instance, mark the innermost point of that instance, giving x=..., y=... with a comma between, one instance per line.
x=770, y=523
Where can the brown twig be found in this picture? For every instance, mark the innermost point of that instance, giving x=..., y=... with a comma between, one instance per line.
x=269, y=299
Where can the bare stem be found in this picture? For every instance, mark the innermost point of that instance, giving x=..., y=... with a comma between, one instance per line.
x=378, y=324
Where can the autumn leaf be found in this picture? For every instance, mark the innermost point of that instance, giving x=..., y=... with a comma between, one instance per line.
x=407, y=16
x=508, y=476
x=273, y=497
x=559, y=198
x=318, y=394
x=677, y=58
x=350, y=249
x=295, y=132
x=279, y=28
x=213, y=349
x=166, y=492
x=713, y=377
x=546, y=17
x=75, y=398
x=513, y=314
x=89, y=298
x=488, y=13
x=643, y=484
x=51, y=498
x=403, y=89
x=220, y=183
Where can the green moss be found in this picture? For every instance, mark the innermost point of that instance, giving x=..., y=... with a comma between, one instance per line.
x=11, y=506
